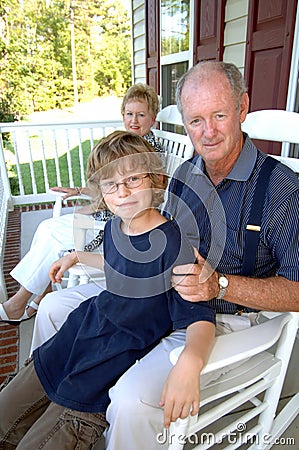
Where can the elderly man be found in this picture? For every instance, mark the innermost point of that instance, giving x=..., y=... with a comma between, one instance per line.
x=216, y=191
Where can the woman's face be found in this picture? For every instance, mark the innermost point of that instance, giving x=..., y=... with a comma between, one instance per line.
x=137, y=117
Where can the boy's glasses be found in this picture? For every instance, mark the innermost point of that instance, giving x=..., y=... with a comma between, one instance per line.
x=132, y=182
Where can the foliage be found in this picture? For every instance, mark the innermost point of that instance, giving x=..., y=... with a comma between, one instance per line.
x=6, y=115
x=114, y=67
x=37, y=71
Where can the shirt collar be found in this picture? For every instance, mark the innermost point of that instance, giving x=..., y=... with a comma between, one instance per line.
x=243, y=166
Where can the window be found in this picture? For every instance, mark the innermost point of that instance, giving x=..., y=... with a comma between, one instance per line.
x=176, y=46
x=170, y=76
x=175, y=29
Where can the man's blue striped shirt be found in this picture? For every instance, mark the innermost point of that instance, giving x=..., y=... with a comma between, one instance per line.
x=214, y=218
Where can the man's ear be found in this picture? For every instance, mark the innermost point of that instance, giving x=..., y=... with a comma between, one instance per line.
x=244, y=107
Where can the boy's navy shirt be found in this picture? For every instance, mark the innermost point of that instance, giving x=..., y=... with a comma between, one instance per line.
x=106, y=334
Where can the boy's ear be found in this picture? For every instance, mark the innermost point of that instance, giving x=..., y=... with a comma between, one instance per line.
x=162, y=178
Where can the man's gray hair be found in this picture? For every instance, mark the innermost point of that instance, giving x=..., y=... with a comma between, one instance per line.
x=231, y=72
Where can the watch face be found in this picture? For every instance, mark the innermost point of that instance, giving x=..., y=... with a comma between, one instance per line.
x=223, y=281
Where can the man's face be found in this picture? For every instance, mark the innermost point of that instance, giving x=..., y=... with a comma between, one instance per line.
x=211, y=118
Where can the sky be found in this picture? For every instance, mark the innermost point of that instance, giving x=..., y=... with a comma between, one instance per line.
x=126, y=3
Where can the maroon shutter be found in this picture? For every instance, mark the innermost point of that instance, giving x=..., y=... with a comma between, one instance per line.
x=153, y=44
x=208, y=29
x=269, y=43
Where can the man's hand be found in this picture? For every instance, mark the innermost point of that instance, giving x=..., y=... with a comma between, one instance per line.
x=60, y=266
x=195, y=282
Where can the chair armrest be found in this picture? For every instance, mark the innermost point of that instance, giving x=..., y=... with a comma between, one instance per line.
x=82, y=223
x=240, y=345
x=87, y=222
x=58, y=201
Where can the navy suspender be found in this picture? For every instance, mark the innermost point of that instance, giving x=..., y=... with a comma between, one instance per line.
x=254, y=222
x=255, y=216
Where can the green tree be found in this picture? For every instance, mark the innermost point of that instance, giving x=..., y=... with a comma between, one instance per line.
x=102, y=47
x=36, y=70
x=113, y=73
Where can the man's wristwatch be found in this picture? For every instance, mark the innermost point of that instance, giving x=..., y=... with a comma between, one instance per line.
x=223, y=283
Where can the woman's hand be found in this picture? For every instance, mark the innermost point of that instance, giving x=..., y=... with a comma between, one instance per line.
x=74, y=192
x=69, y=192
x=60, y=266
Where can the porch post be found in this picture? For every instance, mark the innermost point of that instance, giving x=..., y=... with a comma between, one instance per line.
x=4, y=176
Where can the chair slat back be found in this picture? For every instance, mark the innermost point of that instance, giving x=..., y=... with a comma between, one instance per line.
x=178, y=146
x=170, y=114
x=273, y=125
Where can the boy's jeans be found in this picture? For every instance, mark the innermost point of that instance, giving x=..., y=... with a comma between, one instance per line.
x=29, y=420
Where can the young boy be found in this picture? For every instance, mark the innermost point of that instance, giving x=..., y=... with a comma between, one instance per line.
x=59, y=400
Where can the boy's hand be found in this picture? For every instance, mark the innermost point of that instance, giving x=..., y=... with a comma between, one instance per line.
x=181, y=391
x=60, y=266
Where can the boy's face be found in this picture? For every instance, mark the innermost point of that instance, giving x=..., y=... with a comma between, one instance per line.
x=127, y=196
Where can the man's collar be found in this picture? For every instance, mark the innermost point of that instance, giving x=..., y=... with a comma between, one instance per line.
x=244, y=165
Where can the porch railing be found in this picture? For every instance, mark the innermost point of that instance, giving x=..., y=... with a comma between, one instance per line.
x=3, y=222
x=34, y=152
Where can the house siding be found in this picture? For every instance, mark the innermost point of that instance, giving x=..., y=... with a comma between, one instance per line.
x=236, y=15
x=138, y=41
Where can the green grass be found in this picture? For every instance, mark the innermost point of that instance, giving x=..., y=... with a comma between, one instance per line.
x=51, y=170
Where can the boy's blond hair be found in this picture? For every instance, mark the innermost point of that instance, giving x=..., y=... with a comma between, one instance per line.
x=123, y=151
